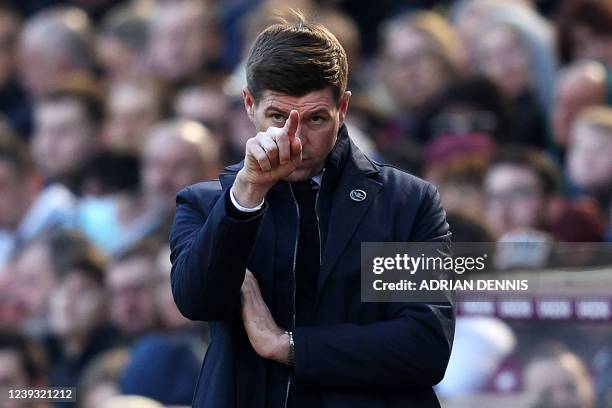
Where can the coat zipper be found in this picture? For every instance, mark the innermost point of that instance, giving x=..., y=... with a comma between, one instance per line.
x=318, y=222
x=295, y=247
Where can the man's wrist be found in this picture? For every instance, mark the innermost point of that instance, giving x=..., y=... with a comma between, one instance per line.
x=291, y=352
x=247, y=194
x=284, y=349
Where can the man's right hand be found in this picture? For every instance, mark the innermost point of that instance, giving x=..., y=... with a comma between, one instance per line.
x=270, y=156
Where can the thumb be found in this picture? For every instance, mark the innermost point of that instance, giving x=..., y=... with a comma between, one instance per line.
x=292, y=123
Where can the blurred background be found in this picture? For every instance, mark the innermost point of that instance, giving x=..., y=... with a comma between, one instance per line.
x=108, y=108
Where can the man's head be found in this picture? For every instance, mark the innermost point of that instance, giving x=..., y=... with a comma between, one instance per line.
x=42, y=264
x=131, y=281
x=184, y=38
x=299, y=66
x=66, y=130
x=53, y=43
x=589, y=151
x=420, y=55
x=518, y=187
x=78, y=302
x=133, y=107
x=177, y=153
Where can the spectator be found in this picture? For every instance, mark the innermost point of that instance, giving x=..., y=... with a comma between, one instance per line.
x=519, y=187
x=205, y=102
x=26, y=209
x=185, y=39
x=466, y=16
x=177, y=154
x=122, y=43
x=112, y=212
x=36, y=272
x=580, y=84
x=133, y=108
x=131, y=284
x=514, y=49
x=588, y=162
x=54, y=44
x=590, y=150
x=78, y=322
x=558, y=378
x=584, y=30
x=419, y=57
x=67, y=125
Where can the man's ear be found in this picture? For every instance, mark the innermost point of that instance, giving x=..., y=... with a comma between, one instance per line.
x=344, y=102
x=249, y=103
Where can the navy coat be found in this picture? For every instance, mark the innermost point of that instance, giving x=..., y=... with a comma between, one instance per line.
x=355, y=354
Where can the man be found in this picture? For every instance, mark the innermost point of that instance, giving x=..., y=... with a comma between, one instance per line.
x=66, y=131
x=295, y=213
x=131, y=285
x=54, y=44
x=521, y=190
x=185, y=39
x=176, y=154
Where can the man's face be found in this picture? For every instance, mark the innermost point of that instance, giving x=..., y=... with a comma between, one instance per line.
x=170, y=164
x=132, y=112
x=514, y=198
x=63, y=137
x=412, y=68
x=76, y=306
x=132, y=287
x=503, y=60
x=34, y=280
x=588, y=159
x=181, y=41
x=320, y=118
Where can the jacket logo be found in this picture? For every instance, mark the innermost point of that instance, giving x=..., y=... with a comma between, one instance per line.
x=357, y=195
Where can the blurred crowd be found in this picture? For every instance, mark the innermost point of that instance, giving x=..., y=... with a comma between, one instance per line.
x=108, y=108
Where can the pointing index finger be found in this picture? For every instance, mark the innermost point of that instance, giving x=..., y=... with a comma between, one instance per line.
x=291, y=124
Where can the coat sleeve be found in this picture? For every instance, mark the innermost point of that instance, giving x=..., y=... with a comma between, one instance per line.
x=410, y=349
x=209, y=253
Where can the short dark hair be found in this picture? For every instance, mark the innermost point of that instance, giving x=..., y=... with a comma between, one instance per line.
x=296, y=58
x=545, y=169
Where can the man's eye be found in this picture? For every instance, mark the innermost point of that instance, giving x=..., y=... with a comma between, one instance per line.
x=277, y=117
x=317, y=120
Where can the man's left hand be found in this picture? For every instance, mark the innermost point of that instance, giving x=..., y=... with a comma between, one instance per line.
x=268, y=340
